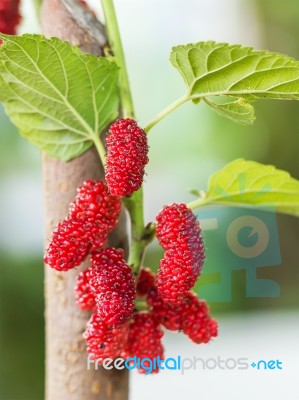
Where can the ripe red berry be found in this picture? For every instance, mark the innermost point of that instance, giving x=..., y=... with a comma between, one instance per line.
x=127, y=151
x=179, y=233
x=167, y=314
x=9, y=16
x=69, y=246
x=191, y=316
x=85, y=298
x=178, y=226
x=146, y=281
x=113, y=285
x=105, y=341
x=145, y=339
x=196, y=321
x=175, y=276
x=92, y=216
x=95, y=206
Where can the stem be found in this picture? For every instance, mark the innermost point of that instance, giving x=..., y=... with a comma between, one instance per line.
x=140, y=236
x=67, y=375
x=116, y=46
x=166, y=112
x=134, y=204
x=100, y=148
x=141, y=305
x=197, y=203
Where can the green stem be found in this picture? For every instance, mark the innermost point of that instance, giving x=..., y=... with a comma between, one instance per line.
x=197, y=203
x=166, y=112
x=116, y=46
x=140, y=236
x=141, y=305
x=100, y=148
x=134, y=204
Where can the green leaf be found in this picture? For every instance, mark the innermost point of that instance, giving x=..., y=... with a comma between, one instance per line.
x=238, y=111
x=220, y=69
x=59, y=98
x=247, y=183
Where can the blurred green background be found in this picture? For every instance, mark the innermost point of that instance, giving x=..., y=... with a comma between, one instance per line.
x=184, y=150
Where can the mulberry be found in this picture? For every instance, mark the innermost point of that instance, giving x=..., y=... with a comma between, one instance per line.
x=113, y=285
x=145, y=340
x=92, y=216
x=9, y=16
x=126, y=158
x=179, y=233
x=85, y=298
x=146, y=281
x=105, y=341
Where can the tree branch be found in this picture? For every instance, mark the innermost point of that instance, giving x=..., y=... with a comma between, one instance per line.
x=67, y=377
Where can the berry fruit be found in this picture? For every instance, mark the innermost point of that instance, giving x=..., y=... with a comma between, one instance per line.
x=175, y=275
x=126, y=158
x=105, y=341
x=94, y=206
x=146, y=281
x=179, y=233
x=85, y=298
x=167, y=314
x=191, y=316
x=92, y=216
x=113, y=285
x=9, y=16
x=196, y=321
x=69, y=246
x=145, y=339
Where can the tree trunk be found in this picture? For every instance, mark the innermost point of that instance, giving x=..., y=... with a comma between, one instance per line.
x=67, y=376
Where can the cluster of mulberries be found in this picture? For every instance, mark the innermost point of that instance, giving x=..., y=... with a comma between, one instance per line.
x=9, y=16
x=91, y=218
x=179, y=233
x=191, y=316
x=140, y=337
x=107, y=288
x=116, y=329
x=136, y=333
x=94, y=213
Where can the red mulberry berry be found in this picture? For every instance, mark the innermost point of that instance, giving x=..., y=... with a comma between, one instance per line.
x=95, y=206
x=167, y=314
x=9, y=16
x=113, y=284
x=176, y=225
x=179, y=233
x=105, y=341
x=85, y=298
x=145, y=340
x=92, y=217
x=175, y=276
x=191, y=316
x=126, y=157
x=69, y=246
x=196, y=321
x=146, y=281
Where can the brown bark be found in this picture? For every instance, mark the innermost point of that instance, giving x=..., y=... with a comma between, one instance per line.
x=67, y=376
